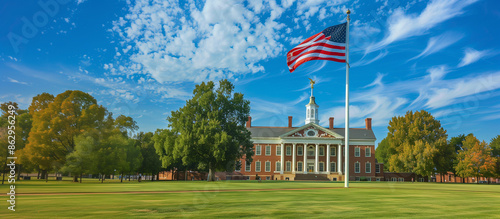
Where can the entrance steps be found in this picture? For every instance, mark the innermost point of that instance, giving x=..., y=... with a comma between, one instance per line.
x=316, y=177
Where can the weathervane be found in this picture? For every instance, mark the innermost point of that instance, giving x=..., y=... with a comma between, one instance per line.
x=312, y=85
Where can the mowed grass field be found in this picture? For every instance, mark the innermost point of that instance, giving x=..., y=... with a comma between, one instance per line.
x=268, y=199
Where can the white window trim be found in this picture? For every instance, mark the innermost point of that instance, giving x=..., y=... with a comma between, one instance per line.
x=370, y=164
x=302, y=154
x=358, y=150
x=258, y=150
x=377, y=165
x=319, y=166
x=302, y=163
x=249, y=165
x=260, y=166
x=278, y=165
x=369, y=153
x=331, y=166
x=359, y=167
x=333, y=150
x=286, y=151
x=268, y=146
x=286, y=166
x=319, y=152
x=278, y=147
x=266, y=165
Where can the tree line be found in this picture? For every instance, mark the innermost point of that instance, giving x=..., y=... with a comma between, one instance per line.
x=417, y=143
x=72, y=134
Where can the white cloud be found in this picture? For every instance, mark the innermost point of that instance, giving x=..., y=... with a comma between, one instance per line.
x=438, y=43
x=16, y=81
x=402, y=26
x=221, y=40
x=472, y=55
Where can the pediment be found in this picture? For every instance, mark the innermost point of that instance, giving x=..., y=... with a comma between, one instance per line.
x=311, y=130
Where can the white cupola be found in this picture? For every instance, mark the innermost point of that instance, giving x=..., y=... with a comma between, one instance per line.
x=312, y=108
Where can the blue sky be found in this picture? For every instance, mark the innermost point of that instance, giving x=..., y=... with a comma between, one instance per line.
x=143, y=58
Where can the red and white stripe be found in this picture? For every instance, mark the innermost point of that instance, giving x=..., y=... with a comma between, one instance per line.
x=317, y=47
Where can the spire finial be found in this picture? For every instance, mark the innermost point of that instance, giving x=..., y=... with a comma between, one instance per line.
x=312, y=85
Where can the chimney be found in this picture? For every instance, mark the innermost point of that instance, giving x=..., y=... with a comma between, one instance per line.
x=290, y=122
x=368, y=122
x=331, y=123
x=249, y=122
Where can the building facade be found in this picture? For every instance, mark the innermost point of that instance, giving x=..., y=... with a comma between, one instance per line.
x=310, y=151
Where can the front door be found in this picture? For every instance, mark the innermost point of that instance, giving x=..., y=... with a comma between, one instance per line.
x=310, y=167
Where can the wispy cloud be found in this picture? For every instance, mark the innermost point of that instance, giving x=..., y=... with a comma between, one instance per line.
x=438, y=43
x=402, y=26
x=16, y=81
x=472, y=55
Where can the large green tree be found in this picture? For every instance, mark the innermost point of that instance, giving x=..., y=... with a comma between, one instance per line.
x=151, y=163
x=414, y=142
x=382, y=153
x=209, y=131
x=475, y=159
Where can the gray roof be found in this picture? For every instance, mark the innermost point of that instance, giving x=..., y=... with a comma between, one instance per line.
x=270, y=132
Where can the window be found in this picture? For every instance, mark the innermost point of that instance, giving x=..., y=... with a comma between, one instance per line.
x=368, y=152
x=300, y=150
x=258, y=150
x=288, y=150
x=333, y=151
x=248, y=166
x=369, y=179
x=343, y=152
x=377, y=168
x=356, y=167
x=356, y=151
x=394, y=179
x=321, y=151
x=401, y=179
x=343, y=167
x=237, y=166
x=378, y=180
x=257, y=166
x=268, y=150
x=288, y=166
x=357, y=178
x=321, y=167
x=268, y=178
x=268, y=166
x=299, y=166
x=278, y=150
x=278, y=166
x=310, y=151
x=368, y=167
x=333, y=167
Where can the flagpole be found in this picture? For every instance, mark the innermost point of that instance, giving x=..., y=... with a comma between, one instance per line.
x=346, y=180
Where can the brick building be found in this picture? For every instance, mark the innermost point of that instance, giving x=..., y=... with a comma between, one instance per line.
x=310, y=151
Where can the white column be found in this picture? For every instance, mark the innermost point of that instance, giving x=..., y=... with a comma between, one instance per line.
x=294, y=154
x=328, y=158
x=282, y=157
x=316, y=159
x=304, y=165
x=339, y=159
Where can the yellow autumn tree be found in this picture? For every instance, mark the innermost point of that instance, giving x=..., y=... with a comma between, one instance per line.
x=475, y=159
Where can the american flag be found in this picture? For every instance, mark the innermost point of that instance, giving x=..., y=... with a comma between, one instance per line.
x=328, y=44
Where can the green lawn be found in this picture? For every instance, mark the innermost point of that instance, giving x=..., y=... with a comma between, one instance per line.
x=369, y=199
